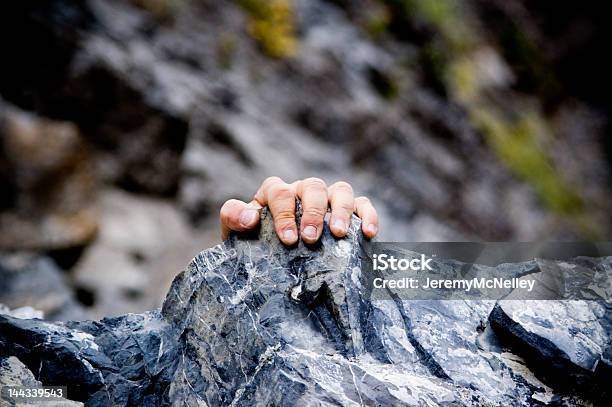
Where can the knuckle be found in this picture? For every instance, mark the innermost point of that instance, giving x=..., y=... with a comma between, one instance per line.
x=363, y=200
x=313, y=182
x=344, y=207
x=284, y=223
x=230, y=203
x=315, y=212
x=284, y=216
x=280, y=192
x=272, y=179
x=268, y=182
x=343, y=186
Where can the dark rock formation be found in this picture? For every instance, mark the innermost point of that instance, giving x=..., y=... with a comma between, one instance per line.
x=36, y=282
x=15, y=373
x=46, y=181
x=139, y=139
x=565, y=341
x=251, y=322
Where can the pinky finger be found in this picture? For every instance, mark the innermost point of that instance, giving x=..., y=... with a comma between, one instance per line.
x=369, y=218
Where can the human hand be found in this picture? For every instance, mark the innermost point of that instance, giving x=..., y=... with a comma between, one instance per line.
x=280, y=197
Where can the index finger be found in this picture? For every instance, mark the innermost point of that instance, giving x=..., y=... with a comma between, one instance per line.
x=342, y=207
x=280, y=198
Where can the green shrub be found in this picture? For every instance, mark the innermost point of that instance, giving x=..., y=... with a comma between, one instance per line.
x=271, y=24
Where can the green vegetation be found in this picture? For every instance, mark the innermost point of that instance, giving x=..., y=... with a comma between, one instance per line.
x=271, y=24
x=446, y=17
x=450, y=64
x=516, y=144
x=377, y=24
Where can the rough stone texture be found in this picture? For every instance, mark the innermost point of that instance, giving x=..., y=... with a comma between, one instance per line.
x=188, y=110
x=46, y=182
x=15, y=373
x=32, y=281
x=251, y=322
x=566, y=341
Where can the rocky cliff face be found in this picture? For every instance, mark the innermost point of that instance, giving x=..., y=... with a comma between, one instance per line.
x=473, y=120
x=251, y=322
x=182, y=99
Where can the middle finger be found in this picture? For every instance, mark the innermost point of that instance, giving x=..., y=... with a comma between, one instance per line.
x=342, y=203
x=313, y=193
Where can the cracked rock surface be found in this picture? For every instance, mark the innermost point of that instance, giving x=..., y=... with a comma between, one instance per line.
x=251, y=322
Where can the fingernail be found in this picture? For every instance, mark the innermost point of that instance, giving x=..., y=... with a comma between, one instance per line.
x=248, y=217
x=372, y=228
x=340, y=225
x=310, y=232
x=289, y=236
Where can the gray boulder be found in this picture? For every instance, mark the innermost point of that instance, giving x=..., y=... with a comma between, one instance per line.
x=32, y=281
x=15, y=373
x=252, y=322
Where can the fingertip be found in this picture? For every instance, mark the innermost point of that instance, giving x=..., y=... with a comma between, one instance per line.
x=369, y=218
x=369, y=229
x=229, y=211
x=313, y=193
x=249, y=217
x=288, y=236
x=236, y=215
x=339, y=227
x=342, y=203
x=310, y=234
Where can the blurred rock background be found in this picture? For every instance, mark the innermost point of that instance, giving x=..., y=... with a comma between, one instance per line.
x=124, y=126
